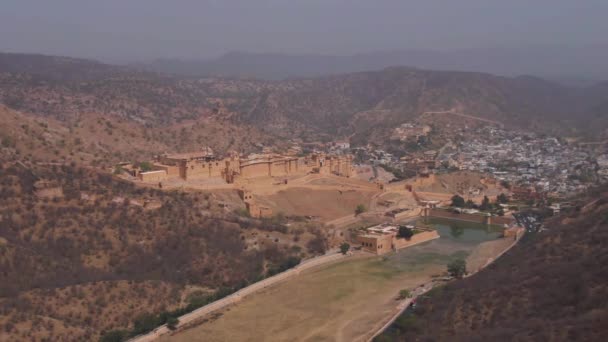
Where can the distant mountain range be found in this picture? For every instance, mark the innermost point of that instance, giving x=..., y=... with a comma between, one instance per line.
x=363, y=106
x=573, y=65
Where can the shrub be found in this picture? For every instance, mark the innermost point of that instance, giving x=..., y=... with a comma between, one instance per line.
x=172, y=323
x=114, y=336
x=458, y=201
x=405, y=233
x=404, y=294
x=360, y=209
x=457, y=268
x=344, y=248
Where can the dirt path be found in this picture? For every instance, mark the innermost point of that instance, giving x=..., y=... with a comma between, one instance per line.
x=466, y=116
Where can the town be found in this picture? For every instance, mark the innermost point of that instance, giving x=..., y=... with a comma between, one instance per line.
x=524, y=161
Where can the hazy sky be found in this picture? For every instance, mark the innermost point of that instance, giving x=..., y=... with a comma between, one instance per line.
x=147, y=29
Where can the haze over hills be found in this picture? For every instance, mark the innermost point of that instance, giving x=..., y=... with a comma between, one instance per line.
x=575, y=65
x=275, y=170
x=362, y=106
x=111, y=250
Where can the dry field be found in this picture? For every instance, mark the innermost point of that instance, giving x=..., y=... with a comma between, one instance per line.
x=326, y=204
x=306, y=308
x=342, y=302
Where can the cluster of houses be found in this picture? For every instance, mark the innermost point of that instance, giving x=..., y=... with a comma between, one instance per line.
x=532, y=162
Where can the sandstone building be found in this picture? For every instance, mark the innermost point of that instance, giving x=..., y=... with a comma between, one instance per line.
x=254, y=208
x=206, y=165
x=383, y=238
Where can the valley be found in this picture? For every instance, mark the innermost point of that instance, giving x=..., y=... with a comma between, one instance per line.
x=130, y=199
x=340, y=302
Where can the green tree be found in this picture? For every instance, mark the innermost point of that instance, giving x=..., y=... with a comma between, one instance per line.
x=470, y=204
x=114, y=336
x=118, y=170
x=458, y=201
x=360, y=209
x=144, y=323
x=502, y=199
x=405, y=233
x=344, y=248
x=145, y=166
x=172, y=322
x=485, y=204
x=457, y=268
x=404, y=294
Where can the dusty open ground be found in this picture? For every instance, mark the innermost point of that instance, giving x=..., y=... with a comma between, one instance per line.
x=307, y=309
x=342, y=302
x=326, y=204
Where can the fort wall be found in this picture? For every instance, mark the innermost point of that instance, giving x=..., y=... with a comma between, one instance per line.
x=385, y=243
x=416, y=239
x=254, y=170
x=499, y=220
x=153, y=176
x=201, y=165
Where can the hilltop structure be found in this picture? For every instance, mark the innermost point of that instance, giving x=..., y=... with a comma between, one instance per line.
x=205, y=164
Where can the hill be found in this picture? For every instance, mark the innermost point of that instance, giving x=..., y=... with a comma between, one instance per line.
x=82, y=252
x=364, y=106
x=572, y=64
x=550, y=287
x=56, y=67
x=371, y=104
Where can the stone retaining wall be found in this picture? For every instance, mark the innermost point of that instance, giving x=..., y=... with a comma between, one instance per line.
x=499, y=220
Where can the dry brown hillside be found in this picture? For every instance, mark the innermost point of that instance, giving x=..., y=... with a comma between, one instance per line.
x=364, y=106
x=102, y=140
x=552, y=286
x=82, y=252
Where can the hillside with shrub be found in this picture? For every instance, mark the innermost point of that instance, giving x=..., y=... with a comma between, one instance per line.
x=365, y=106
x=552, y=286
x=82, y=252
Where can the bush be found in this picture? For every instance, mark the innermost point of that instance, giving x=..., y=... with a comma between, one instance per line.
x=457, y=268
x=172, y=323
x=360, y=209
x=114, y=336
x=502, y=199
x=405, y=233
x=458, y=201
x=145, y=166
x=284, y=266
x=485, y=204
x=404, y=294
x=145, y=323
x=344, y=248
x=316, y=245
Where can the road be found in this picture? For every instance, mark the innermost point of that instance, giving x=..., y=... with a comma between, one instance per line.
x=466, y=116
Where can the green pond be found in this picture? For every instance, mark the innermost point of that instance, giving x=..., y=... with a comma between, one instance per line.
x=457, y=239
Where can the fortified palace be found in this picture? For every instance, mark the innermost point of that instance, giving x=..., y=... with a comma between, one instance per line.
x=205, y=165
